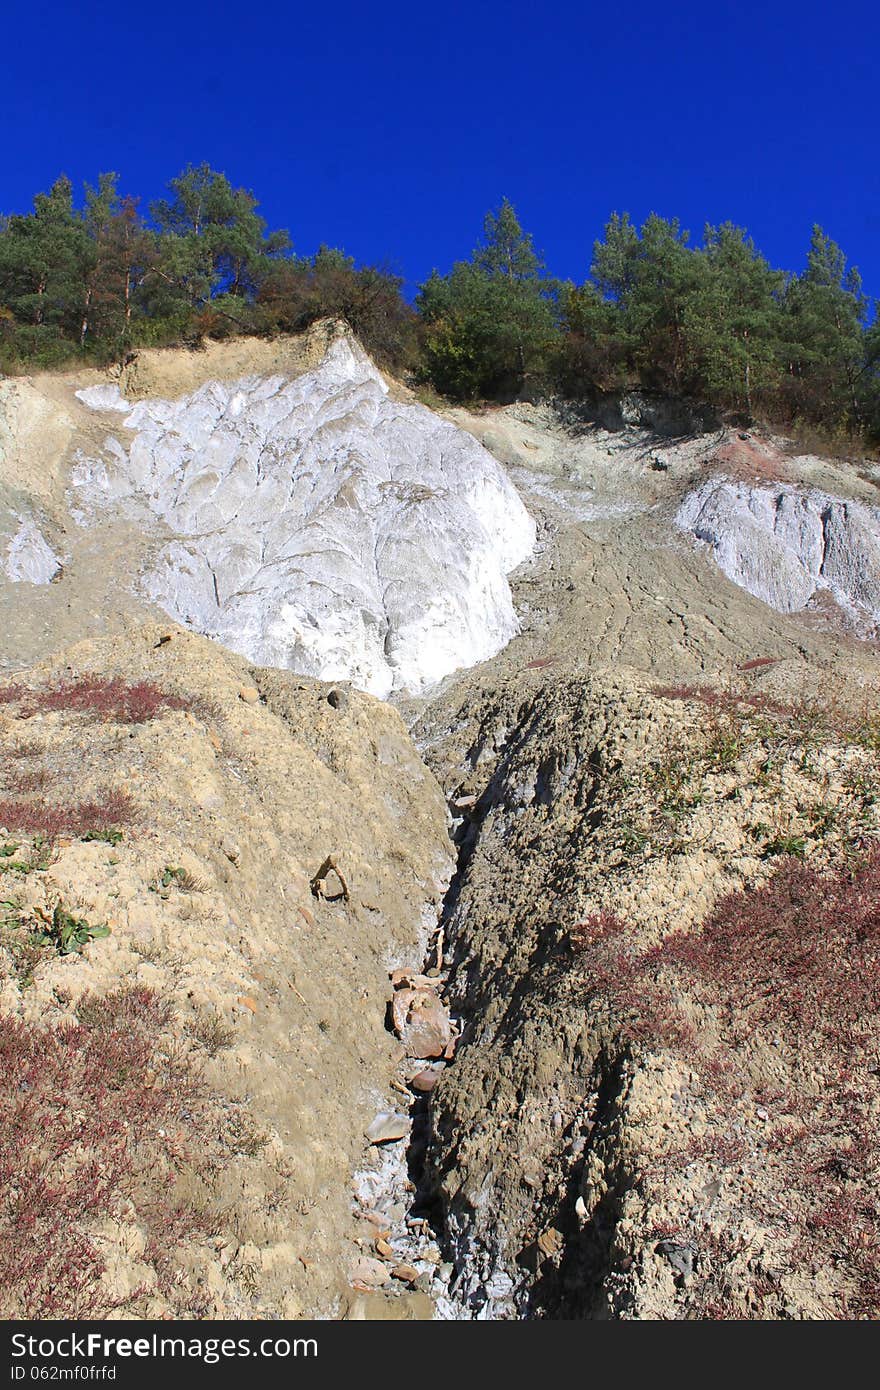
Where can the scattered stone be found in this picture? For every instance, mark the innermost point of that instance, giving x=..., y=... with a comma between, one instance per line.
x=405, y=1273
x=421, y=1022
x=410, y=979
x=551, y=1241
x=369, y=1273
x=382, y=1247
x=681, y=1257
x=231, y=850
x=388, y=1127
x=249, y=694
x=425, y=1081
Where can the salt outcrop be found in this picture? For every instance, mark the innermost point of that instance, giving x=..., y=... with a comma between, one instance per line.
x=29, y=558
x=322, y=526
x=104, y=397
x=782, y=543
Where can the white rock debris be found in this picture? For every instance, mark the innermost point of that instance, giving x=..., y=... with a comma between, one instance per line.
x=782, y=543
x=29, y=558
x=103, y=398
x=320, y=525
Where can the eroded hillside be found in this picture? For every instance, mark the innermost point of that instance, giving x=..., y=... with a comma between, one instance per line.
x=657, y=806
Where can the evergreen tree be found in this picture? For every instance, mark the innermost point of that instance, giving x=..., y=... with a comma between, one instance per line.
x=214, y=243
x=491, y=322
x=826, y=314
x=45, y=260
x=732, y=320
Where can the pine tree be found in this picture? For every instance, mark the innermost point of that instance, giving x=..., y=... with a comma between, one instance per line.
x=732, y=320
x=213, y=241
x=491, y=322
x=825, y=322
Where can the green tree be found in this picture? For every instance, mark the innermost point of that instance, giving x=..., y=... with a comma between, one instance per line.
x=826, y=315
x=298, y=291
x=732, y=320
x=214, y=243
x=650, y=275
x=45, y=260
x=491, y=323
x=126, y=254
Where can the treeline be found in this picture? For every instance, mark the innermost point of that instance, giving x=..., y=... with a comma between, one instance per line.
x=714, y=322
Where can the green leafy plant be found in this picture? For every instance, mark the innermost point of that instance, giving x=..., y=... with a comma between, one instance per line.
x=175, y=877
x=109, y=837
x=785, y=844
x=66, y=932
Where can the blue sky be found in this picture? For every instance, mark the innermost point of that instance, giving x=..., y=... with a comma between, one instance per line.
x=390, y=128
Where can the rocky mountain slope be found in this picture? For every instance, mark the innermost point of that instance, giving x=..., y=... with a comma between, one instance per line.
x=504, y=1016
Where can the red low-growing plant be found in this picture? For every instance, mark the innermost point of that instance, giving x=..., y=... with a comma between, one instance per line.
x=757, y=663
x=727, y=700
x=792, y=965
x=37, y=816
x=106, y=698
x=94, y=1115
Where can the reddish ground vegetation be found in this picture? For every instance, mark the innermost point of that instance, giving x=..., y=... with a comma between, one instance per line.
x=10, y=694
x=724, y=700
x=103, y=698
x=94, y=1115
x=758, y=663
x=744, y=460
x=806, y=719
x=38, y=816
x=792, y=966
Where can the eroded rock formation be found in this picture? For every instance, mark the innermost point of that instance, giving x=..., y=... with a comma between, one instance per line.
x=319, y=524
x=784, y=544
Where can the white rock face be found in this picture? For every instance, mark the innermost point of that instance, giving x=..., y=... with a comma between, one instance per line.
x=782, y=544
x=319, y=525
x=103, y=398
x=29, y=558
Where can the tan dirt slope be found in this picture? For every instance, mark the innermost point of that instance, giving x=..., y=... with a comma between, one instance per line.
x=236, y=802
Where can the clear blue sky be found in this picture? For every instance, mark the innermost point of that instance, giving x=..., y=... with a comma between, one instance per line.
x=389, y=128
